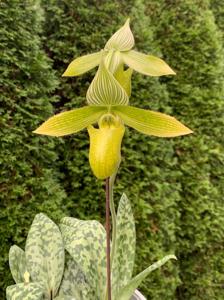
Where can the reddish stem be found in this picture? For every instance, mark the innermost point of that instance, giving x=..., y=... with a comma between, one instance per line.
x=108, y=237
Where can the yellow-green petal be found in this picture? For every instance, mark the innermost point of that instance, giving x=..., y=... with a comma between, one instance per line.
x=105, y=89
x=105, y=149
x=124, y=78
x=122, y=39
x=71, y=121
x=146, y=64
x=83, y=64
x=150, y=122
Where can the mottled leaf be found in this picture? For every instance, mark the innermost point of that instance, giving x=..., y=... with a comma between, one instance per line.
x=25, y=291
x=146, y=64
x=71, y=121
x=83, y=64
x=150, y=122
x=123, y=261
x=105, y=89
x=45, y=254
x=128, y=290
x=74, y=282
x=66, y=298
x=17, y=263
x=86, y=243
x=122, y=39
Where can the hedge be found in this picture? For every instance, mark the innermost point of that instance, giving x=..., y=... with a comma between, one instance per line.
x=190, y=40
x=175, y=185
x=217, y=8
x=28, y=181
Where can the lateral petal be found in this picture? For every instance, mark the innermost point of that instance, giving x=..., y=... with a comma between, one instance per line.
x=71, y=121
x=151, y=122
x=82, y=64
x=146, y=64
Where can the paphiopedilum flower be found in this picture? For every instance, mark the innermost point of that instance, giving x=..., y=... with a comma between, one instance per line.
x=117, y=52
x=108, y=109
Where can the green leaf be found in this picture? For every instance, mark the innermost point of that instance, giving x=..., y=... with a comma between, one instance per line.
x=25, y=291
x=122, y=39
x=124, y=78
x=146, y=64
x=129, y=289
x=74, y=282
x=150, y=122
x=17, y=263
x=71, y=121
x=105, y=89
x=45, y=254
x=83, y=64
x=86, y=243
x=124, y=257
x=138, y=296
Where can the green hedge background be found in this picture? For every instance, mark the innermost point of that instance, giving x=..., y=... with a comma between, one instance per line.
x=176, y=185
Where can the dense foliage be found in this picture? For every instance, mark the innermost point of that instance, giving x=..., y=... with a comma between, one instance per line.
x=28, y=181
x=192, y=43
x=175, y=185
x=217, y=8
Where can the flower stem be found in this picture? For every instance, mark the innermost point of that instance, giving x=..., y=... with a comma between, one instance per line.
x=108, y=237
x=113, y=216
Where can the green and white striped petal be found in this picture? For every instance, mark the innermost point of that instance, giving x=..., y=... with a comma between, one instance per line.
x=146, y=64
x=83, y=64
x=150, y=122
x=128, y=290
x=112, y=60
x=71, y=121
x=122, y=40
x=105, y=89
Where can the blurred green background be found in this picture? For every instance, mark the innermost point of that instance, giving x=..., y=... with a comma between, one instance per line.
x=176, y=185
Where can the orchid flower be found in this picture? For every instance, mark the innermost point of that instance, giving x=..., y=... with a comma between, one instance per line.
x=108, y=108
x=117, y=52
